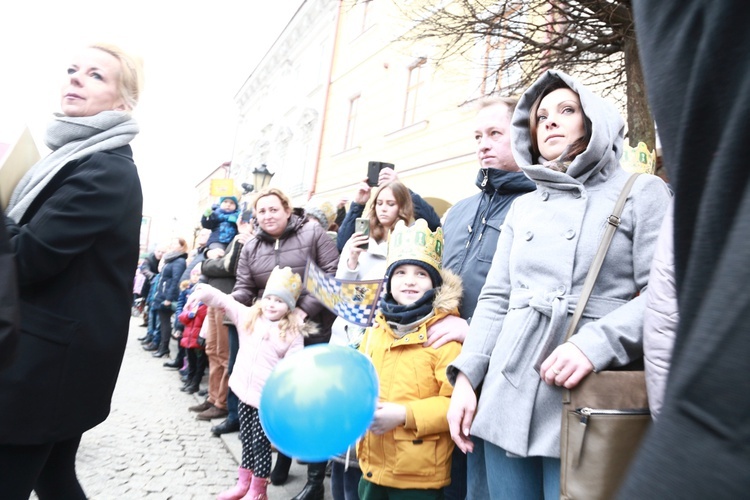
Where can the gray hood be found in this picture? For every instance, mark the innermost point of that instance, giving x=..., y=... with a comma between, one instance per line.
x=600, y=159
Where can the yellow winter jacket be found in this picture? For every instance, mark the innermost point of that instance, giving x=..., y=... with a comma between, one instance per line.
x=418, y=454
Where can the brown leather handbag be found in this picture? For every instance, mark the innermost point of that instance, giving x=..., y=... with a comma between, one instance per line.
x=606, y=415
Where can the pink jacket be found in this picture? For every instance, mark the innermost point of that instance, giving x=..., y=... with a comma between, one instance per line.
x=260, y=350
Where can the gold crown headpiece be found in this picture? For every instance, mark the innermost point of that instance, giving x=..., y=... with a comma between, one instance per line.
x=638, y=159
x=285, y=284
x=416, y=242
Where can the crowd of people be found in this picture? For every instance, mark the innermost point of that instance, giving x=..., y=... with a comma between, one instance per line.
x=469, y=337
x=509, y=261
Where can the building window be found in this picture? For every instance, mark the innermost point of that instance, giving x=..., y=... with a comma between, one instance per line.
x=414, y=86
x=497, y=76
x=351, y=123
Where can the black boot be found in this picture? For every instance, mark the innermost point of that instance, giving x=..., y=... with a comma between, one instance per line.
x=194, y=382
x=226, y=427
x=181, y=355
x=177, y=363
x=314, y=489
x=160, y=353
x=190, y=388
x=280, y=472
x=151, y=346
x=163, y=347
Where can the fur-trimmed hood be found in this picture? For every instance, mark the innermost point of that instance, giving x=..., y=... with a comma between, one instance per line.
x=309, y=328
x=448, y=295
x=446, y=300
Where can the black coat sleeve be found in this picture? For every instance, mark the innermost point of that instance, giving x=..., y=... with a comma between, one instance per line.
x=9, y=306
x=340, y=214
x=423, y=210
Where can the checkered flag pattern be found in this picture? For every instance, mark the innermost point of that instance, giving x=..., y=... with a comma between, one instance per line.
x=355, y=301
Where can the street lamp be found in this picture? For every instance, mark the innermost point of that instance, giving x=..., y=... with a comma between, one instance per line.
x=261, y=178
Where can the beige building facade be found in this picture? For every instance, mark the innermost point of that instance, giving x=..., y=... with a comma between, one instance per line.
x=390, y=102
x=337, y=90
x=282, y=103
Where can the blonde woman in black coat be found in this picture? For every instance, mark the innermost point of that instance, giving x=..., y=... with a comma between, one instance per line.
x=73, y=222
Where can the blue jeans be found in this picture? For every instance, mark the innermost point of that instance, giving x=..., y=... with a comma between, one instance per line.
x=531, y=478
x=154, y=325
x=345, y=483
x=457, y=489
x=234, y=346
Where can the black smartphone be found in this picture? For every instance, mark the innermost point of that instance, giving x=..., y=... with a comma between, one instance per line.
x=373, y=171
x=362, y=225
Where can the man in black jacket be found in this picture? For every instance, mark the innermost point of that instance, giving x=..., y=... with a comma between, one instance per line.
x=472, y=227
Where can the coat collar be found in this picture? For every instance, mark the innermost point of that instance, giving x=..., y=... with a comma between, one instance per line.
x=492, y=180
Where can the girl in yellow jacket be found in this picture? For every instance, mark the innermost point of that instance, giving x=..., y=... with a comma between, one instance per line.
x=408, y=445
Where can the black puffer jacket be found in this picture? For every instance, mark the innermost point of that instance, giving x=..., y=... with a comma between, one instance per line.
x=468, y=252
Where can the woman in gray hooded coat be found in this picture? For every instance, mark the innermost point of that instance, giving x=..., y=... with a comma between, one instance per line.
x=569, y=142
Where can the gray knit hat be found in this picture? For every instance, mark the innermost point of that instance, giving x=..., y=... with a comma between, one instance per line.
x=323, y=211
x=284, y=284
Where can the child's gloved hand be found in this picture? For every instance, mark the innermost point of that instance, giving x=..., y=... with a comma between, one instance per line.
x=208, y=212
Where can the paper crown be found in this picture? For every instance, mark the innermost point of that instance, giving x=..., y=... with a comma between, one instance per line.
x=416, y=242
x=285, y=284
x=638, y=159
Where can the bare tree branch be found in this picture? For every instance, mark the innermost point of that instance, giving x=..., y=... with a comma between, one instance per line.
x=585, y=37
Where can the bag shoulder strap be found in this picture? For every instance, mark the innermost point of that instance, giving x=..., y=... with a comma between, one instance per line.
x=613, y=221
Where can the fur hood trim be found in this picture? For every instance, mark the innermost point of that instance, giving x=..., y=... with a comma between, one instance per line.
x=448, y=295
x=309, y=328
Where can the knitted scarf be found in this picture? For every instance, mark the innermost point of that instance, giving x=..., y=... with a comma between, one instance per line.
x=397, y=314
x=71, y=138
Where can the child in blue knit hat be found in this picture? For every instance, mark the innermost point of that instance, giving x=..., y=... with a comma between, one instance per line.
x=222, y=221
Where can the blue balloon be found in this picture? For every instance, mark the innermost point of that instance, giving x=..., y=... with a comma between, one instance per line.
x=319, y=401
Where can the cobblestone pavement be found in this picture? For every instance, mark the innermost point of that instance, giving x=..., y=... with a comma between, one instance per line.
x=152, y=447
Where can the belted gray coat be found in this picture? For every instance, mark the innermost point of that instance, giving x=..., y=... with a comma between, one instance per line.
x=546, y=247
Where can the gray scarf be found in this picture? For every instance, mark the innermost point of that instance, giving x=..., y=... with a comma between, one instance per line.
x=71, y=138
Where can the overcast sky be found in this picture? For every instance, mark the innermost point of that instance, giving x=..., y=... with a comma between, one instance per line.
x=197, y=56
